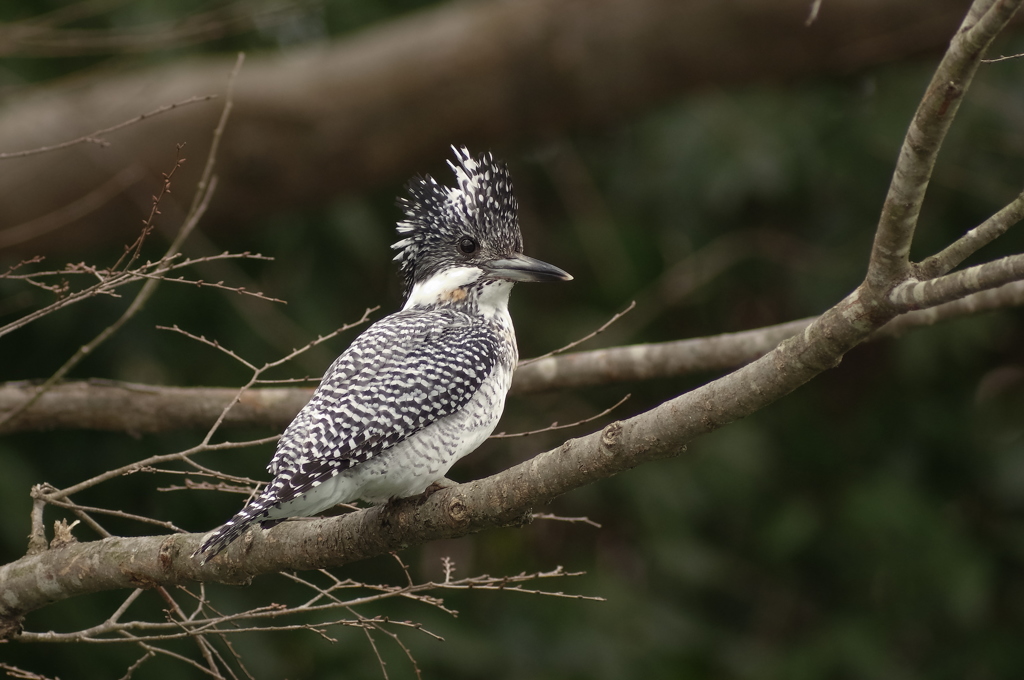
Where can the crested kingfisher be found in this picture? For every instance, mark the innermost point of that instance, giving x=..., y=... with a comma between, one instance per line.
x=425, y=386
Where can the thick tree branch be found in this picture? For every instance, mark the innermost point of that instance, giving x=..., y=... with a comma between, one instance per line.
x=130, y=407
x=504, y=499
x=890, y=262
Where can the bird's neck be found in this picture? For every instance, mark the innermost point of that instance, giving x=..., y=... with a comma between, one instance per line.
x=461, y=288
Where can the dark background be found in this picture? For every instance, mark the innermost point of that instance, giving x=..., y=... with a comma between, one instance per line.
x=870, y=525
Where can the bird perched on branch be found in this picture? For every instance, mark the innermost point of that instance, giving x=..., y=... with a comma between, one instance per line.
x=425, y=386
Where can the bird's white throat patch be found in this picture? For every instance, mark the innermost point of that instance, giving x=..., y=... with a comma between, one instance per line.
x=444, y=286
x=451, y=285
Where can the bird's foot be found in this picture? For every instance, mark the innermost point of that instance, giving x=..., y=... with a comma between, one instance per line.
x=442, y=483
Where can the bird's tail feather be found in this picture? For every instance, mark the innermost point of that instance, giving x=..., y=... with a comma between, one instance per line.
x=218, y=540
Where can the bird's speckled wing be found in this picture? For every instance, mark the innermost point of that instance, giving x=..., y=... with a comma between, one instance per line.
x=402, y=374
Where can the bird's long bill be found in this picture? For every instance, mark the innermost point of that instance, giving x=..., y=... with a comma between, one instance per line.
x=522, y=268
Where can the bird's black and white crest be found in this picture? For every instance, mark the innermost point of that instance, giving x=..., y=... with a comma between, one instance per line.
x=480, y=205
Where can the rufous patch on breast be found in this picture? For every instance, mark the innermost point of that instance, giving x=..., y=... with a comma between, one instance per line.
x=454, y=295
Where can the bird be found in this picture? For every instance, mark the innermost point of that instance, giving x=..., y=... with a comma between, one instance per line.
x=420, y=388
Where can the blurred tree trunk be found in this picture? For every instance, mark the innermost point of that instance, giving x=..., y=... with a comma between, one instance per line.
x=323, y=120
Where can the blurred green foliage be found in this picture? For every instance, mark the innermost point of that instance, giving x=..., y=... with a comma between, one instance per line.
x=871, y=525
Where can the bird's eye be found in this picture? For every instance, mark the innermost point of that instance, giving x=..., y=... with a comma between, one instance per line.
x=467, y=245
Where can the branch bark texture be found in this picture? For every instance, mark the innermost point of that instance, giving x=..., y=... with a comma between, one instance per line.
x=890, y=253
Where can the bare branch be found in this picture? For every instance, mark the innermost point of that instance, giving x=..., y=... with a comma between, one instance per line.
x=200, y=202
x=97, y=136
x=653, y=360
x=209, y=343
x=952, y=287
x=219, y=285
x=1010, y=295
x=998, y=59
x=555, y=426
x=205, y=187
x=889, y=257
x=37, y=536
x=401, y=645
x=115, y=513
x=135, y=666
x=973, y=241
x=129, y=407
x=184, y=659
x=20, y=674
x=326, y=600
x=108, y=281
x=570, y=520
x=137, y=303
x=588, y=336
x=257, y=372
x=148, y=462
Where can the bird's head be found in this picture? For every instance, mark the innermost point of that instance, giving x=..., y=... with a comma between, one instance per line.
x=457, y=236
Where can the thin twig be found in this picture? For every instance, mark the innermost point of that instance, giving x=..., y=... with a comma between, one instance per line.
x=209, y=343
x=152, y=460
x=971, y=242
x=405, y=569
x=108, y=280
x=373, y=646
x=37, y=536
x=85, y=350
x=96, y=137
x=398, y=641
x=200, y=201
x=149, y=654
x=180, y=657
x=257, y=372
x=555, y=426
x=21, y=674
x=114, y=631
x=189, y=485
x=574, y=343
x=116, y=513
x=570, y=520
x=998, y=59
x=119, y=612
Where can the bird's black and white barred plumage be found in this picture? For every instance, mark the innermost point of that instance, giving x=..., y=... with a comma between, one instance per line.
x=422, y=387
